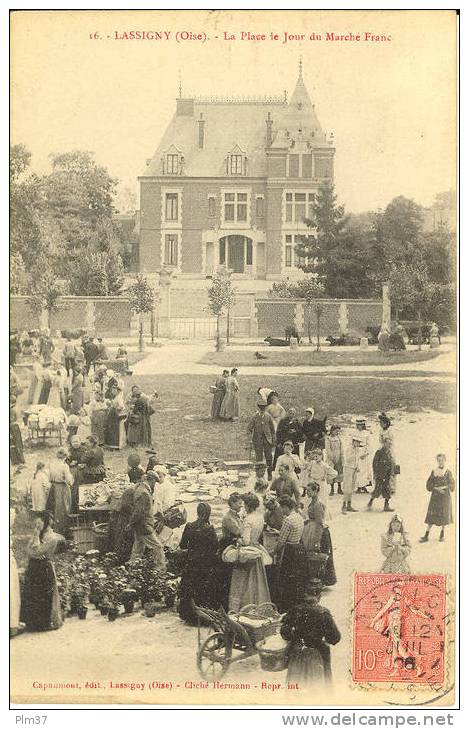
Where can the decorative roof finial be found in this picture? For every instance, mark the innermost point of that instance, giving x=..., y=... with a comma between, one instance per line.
x=180, y=84
x=300, y=65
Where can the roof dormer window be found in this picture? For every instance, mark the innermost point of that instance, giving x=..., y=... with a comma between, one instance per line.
x=173, y=162
x=236, y=162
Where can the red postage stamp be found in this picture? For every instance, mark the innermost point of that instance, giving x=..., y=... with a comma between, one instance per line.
x=399, y=628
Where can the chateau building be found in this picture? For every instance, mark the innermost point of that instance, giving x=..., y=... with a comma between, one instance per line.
x=230, y=184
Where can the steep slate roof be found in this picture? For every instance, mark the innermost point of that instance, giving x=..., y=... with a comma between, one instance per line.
x=231, y=123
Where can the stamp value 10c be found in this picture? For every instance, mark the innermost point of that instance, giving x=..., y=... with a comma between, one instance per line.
x=399, y=624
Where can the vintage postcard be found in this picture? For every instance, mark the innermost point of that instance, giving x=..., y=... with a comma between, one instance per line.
x=233, y=395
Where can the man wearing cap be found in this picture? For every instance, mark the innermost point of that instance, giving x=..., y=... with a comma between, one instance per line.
x=142, y=523
x=91, y=352
x=314, y=431
x=261, y=430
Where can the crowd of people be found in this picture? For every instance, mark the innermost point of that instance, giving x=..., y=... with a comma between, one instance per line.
x=275, y=543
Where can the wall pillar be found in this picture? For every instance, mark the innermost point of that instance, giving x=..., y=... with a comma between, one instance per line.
x=299, y=319
x=90, y=316
x=253, y=326
x=164, y=318
x=343, y=318
x=386, y=320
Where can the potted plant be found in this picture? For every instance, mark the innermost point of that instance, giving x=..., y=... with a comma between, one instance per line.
x=129, y=597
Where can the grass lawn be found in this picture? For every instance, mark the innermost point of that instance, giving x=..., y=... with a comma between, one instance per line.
x=178, y=438
x=283, y=357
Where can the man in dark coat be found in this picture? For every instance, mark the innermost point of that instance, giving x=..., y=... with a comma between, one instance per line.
x=91, y=352
x=262, y=433
x=289, y=428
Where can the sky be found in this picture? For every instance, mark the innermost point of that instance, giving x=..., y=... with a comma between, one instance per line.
x=391, y=104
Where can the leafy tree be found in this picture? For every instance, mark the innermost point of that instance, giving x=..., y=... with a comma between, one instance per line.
x=412, y=290
x=398, y=235
x=79, y=194
x=45, y=294
x=312, y=291
x=25, y=205
x=221, y=296
x=97, y=274
x=142, y=301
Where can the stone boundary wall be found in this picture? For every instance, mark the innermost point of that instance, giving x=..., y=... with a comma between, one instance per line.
x=251, y=316
x=339, y=316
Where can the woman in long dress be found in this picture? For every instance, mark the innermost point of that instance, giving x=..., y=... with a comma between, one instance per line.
x=46, y=384
x=293, y=574
x=59, y=500
x=219, y=394
x=311, y=630
x=199, y=541
x=386, y=434
x=98, y=416
x=139, y=419
x=230, y=406
x=395, y=546
x=317, y=540
x=249, y=580
x=78, y=390
x=440, y=484
x=56, y=397
x=35, y=385
x=40, y=609
x=115, y=433
x=40, y=488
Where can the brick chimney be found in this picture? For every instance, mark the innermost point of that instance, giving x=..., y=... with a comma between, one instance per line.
x=268, y=136
x=201, y=124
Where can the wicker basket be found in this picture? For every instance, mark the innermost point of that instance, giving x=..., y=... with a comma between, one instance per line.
x=267, y=612
x=273, y=659
x=84, y=538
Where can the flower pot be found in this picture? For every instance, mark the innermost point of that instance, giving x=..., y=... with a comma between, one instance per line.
x=104, y=609
x=82, y=611
x=113, y=613
x=129, y=606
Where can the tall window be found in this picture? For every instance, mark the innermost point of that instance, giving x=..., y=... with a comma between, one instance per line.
x=298, y=206
x=291, y=257
x=236, y=206
x=294, y=165
x=236, y=164
x=172, y=206
x=171, y=249
x=172, y=164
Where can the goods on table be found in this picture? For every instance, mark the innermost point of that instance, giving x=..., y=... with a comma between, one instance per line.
x=44, y=417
